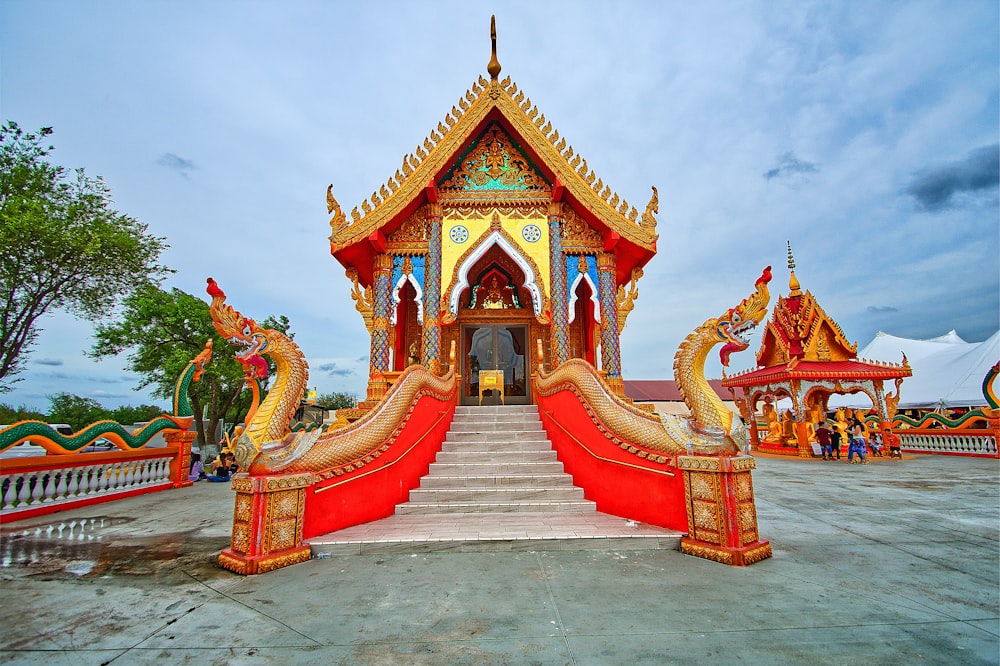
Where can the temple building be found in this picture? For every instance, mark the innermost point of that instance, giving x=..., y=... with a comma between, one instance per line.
x=805, y=357
x=493, y=234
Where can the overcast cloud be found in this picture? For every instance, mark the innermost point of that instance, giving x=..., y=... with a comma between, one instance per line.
x=864, y=133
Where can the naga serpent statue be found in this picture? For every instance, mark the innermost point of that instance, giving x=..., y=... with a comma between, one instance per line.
x=711, y=428
x=267, y=445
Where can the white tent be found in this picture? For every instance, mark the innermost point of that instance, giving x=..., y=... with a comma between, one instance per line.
x=947, y=370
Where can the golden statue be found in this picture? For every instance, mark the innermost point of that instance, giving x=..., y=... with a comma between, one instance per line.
x=773, y=426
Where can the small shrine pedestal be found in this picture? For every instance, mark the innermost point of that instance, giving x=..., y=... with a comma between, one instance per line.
x=722, y=517
x=267, y=523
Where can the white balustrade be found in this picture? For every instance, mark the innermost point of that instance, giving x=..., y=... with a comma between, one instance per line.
x=73, y=483
x=957, y=442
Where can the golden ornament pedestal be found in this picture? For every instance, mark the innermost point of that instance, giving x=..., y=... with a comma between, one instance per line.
x=267, y=523
x=722, y=516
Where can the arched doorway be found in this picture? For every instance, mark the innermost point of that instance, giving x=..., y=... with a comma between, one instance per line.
x=495, y=321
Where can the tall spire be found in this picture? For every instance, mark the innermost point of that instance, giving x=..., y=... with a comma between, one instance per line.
x=793, y=282
x=494, y=67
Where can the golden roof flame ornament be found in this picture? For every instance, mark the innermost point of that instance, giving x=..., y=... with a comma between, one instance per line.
x=793, y=282
x=493, y=69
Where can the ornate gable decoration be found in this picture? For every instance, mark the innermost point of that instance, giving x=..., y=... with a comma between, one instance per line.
x=438, y=150
x=800, y=328
x=493, y=162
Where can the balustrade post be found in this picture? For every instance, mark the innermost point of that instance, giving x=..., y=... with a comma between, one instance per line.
x=267, y=523
x=722, y=516
x=181, y=463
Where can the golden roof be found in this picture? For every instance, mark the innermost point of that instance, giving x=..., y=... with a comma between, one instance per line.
x=462, y=124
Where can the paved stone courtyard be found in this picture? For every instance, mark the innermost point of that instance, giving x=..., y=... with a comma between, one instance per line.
x=896, y=562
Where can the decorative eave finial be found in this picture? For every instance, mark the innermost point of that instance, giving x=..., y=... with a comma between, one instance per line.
x=793, y=282
x=493, y=69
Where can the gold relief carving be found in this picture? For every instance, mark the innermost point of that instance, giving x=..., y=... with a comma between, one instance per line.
x=411, y=236
x=242, y=485
x=244, y=507
x=744, y=488
x=703, y=486
x=578, y=235
x=282, y=535
x=511, y=210
x=707, y=553
x=363, y=298
x=626, y=298
x=286, y=482
x=748, y=523
x=241, y=538
x=742, y=463
x=234, y=564
x=698, y=463
x=285, y=503
x=705, y=517
x=494, y=158
x=283, y=560
x=754, y=555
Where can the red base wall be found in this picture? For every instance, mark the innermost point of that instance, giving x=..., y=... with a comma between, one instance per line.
x=373, y=491
x=632, y=489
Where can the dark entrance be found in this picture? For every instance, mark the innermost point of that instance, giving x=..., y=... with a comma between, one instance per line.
x=495, y=347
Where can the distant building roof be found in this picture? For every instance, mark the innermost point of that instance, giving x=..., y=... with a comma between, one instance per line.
x=662, y=390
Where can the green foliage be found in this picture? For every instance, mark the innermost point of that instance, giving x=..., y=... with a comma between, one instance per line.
x=62, y=245
x=162, y=331
x=127, y=414
x=336, y=400
x=76, y=411
x=9, y=414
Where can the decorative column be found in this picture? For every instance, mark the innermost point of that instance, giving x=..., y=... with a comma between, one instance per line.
x=560, y=304
x=431, y=351
x=379, y=363
x=180, y=466
x=611, y=359
x=267, y=523
x=722, y=516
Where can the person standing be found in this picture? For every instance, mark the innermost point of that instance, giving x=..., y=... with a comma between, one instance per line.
x=858, y=444
x=835, y=442
x=823, y=437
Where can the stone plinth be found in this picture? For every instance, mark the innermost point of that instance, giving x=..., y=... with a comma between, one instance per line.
x=722, y=517
x=267, y=523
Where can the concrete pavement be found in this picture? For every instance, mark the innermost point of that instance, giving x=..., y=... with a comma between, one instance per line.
x=896, y=562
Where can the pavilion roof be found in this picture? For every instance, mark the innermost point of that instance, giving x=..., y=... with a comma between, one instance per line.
x=572, y=180
x=801, y=341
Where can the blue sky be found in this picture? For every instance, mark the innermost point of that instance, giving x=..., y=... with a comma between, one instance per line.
x=864, y=133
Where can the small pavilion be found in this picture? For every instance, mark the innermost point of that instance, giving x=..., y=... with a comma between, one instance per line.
x=804, y=356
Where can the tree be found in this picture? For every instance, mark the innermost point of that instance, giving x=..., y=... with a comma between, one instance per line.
x=128, y=415
x=75, y=411
x=166, y=329
x=336, y=400
x=10, y=414
x=62, y=245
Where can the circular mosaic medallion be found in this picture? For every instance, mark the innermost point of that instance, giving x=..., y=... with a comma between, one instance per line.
x=459, y=234
x=531, y=233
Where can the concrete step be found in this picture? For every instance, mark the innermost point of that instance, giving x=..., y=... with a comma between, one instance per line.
x=568, y=506
x=494, y=426
x=471, y=456
x=494, y=532
x=497, y=410
x=526, y=494
x=494, y=481
x=478, y=443
x=497, y=469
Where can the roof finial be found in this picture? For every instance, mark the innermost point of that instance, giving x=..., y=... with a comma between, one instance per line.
x=494, y=67
x=793, y=282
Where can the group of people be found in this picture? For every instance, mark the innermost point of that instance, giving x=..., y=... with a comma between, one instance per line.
x=223, y=467
x=857, y=445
